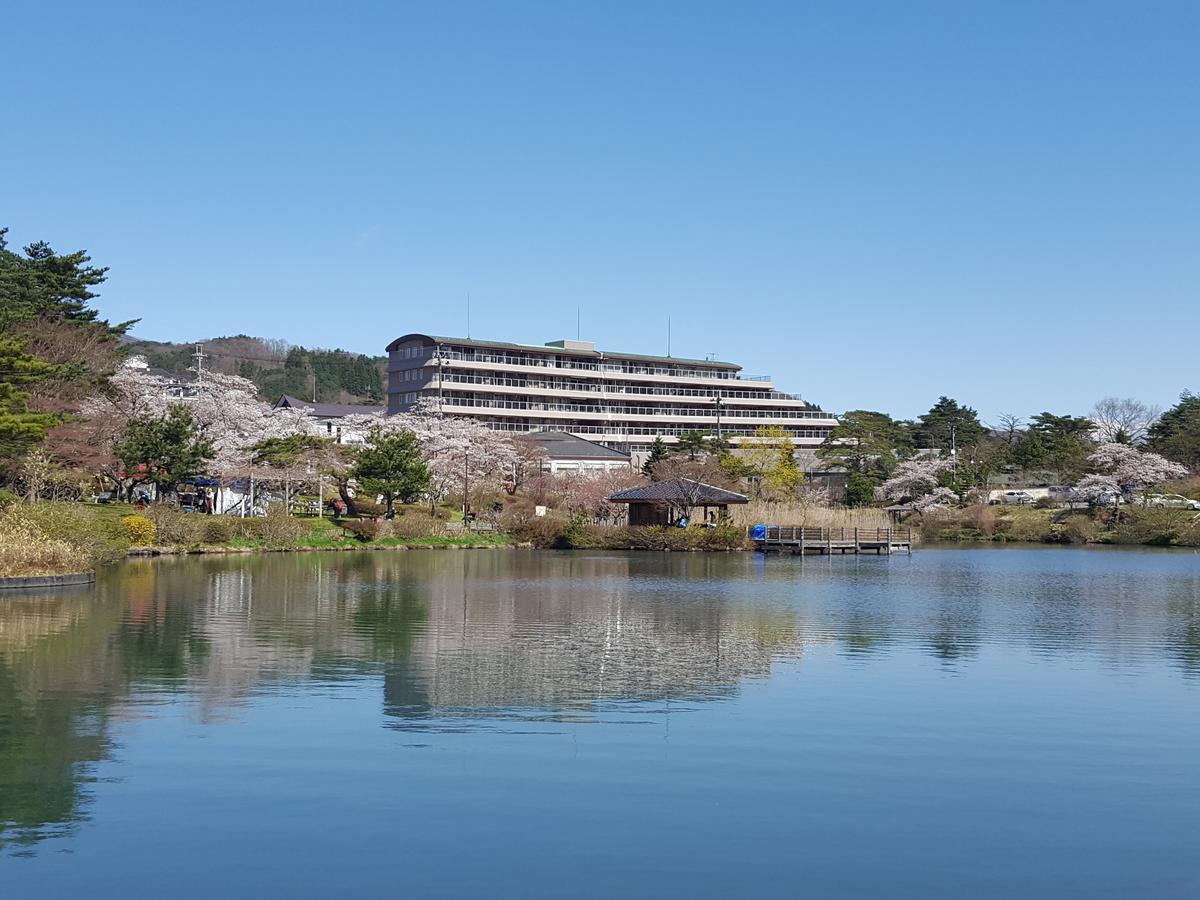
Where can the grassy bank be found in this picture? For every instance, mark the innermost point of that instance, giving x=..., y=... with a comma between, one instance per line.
x=57, y=539
x=1129, y=525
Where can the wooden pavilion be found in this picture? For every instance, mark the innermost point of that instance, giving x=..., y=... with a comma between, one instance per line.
x=675, y=502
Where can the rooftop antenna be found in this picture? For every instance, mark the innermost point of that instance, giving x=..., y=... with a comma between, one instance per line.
x=576, y=323
x=468, y=315
x=668, y=336
x=200, y=356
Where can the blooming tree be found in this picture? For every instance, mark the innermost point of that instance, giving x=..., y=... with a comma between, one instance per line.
x=938, y=499
x=913, y=479
x=226, y=409
x=1133, y=468
x=1098, y=489
x=461, y=454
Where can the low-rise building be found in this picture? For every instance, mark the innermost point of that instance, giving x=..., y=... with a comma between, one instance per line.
x=330, y=416
x=564, y=452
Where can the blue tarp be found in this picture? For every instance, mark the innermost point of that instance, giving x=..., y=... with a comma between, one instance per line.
x=758, y=532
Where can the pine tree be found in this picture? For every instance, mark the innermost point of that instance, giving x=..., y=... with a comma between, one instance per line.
x=20, y=428
x=658, y=452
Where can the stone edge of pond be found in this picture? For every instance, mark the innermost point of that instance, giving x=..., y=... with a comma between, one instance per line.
x=142, y=552
x=42, y=581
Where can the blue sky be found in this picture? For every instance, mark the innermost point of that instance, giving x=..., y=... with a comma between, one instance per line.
x=876, y=203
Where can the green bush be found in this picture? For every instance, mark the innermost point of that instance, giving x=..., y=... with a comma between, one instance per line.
x=219, y=530
x=141, y=530
x=7, y=498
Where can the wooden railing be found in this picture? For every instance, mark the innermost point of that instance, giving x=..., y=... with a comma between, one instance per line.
x=787, y=534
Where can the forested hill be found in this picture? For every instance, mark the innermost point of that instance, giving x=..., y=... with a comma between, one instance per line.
x=277, y=367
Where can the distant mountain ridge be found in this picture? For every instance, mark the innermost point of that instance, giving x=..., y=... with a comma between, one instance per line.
x=277, y=367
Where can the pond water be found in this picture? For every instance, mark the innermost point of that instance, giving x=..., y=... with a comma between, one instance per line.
x=983, y=722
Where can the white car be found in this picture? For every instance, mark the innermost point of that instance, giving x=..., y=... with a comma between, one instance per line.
x=1165, y=501
x=1016, y=497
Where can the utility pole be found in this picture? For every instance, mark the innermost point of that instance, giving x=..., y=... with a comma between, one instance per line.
x=466, y=485
x=718, y=415
x=200, y=356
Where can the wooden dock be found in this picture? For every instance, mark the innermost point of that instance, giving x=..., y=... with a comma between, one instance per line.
x=827, y=541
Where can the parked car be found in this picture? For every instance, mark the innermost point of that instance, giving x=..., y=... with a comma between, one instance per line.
x=1019, y=498
x=1165, y=501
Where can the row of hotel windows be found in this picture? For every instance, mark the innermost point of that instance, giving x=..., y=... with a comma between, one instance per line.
x=505, y=357
x=591, y=387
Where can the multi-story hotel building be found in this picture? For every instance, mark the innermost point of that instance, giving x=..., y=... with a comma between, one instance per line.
x=622, y=400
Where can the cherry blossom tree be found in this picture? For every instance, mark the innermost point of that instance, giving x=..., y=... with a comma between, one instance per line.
x=1098, y=489
x=226, y=409
x=462, y=455
x=913, y=479
x=1133, y=468
x=938, y=499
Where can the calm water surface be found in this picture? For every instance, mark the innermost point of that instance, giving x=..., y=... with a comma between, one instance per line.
x=983, y=723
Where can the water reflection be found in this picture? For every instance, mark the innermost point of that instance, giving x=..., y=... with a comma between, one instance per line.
x=462, y=641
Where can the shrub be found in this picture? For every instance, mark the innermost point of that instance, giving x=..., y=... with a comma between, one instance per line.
x=414, y=525
x=279, y=529
x=368, y=508
x=1072, y=530
x=56, y=538
x=540, y=531
x=1045, y=503
x=141, y=530
x=981, y=517
x=220, y=529
x=25, y=550
x=364, y=530
x=176, y=528
x=7, y=498
x=100, y=539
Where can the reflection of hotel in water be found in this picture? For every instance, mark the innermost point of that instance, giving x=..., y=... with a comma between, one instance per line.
x=581, y=635
x=486, y=631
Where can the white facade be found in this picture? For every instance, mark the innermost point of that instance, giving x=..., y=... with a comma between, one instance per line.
x=618, y=399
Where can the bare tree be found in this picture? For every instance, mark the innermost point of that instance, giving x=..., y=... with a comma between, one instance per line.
x=1123, y=420
x=1010, y=428
x=277, y=348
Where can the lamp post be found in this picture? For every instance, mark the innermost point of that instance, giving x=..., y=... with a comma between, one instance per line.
x=954, y=454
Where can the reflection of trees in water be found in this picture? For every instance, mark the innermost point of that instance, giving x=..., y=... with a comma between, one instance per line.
x=466, y=637
x=46, y=744
x=67, y=659
x=1183, y=640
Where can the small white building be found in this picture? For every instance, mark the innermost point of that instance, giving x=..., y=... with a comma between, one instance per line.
x=564, y=453
x=329, y=417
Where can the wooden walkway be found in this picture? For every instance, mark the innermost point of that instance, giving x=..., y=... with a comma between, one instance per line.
x=833, y=540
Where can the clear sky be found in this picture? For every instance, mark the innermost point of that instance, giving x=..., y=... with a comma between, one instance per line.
x=876, y=203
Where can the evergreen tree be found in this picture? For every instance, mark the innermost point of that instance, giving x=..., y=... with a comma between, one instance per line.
x=658, y=452
x=164, y=450
x=1176, y=435
x=20, y=428
x=947, y=423
x=391, y=465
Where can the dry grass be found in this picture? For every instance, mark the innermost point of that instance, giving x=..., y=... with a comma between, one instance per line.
x=25, y=550
x=759, y=512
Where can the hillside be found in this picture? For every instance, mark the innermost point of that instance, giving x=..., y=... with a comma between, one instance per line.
x=277, y=367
